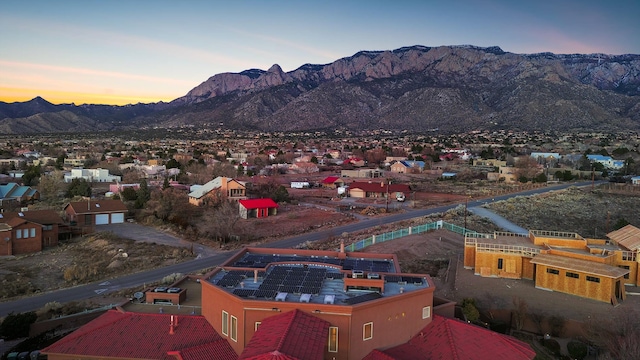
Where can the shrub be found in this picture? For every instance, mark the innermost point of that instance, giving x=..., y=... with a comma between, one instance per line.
x=552, y=345
x=17, y=325
x=171, y=278
x=577, y=349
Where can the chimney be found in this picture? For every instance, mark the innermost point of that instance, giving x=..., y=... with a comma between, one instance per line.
x=342, y=246
x=255, y=275
x=171, y=330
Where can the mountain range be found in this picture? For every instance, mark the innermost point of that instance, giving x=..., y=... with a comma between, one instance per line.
x=417, y=88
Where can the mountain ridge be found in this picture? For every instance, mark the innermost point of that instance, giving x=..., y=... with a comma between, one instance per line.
x=453, y=88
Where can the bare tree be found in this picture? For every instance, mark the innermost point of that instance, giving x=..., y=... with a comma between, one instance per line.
x=617, y=334
x=519, y=311
x=526, y=167
x=219, y=222
x=51, y=187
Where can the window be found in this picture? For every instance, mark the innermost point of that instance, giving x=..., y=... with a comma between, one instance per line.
x=234, y=328
x=333, y=339
x=553, y=271
x=18, y=234
x=593, y=278
x=626, y=276
x=32, y=232
x=25, y=233
x=499, y=264
x=47, y=227
x=426, y=312
x=257, y=325
x=572, y=275
x=367, y=331
x=225, y=323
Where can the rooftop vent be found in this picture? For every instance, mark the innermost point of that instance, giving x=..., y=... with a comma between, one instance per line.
x=282, y=296
x=97, y=205
x=329, y=299
x=305, y=298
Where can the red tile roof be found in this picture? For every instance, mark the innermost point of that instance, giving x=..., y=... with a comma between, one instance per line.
x=258, y=203
x=117, y=334
x=291, y=335
x=446, y=338
x=97, y=206
x=42, y=217
x=330, y=180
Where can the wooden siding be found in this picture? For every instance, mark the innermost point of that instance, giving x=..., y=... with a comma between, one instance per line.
x=601, y=291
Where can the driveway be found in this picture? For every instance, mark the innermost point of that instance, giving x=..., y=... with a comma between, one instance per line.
x=503, y=223
x=148, y=234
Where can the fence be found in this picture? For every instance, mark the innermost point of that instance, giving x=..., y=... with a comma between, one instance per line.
x=359, y=245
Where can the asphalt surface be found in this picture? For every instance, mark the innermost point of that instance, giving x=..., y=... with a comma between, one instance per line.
x=93, y=289
x=503, y=223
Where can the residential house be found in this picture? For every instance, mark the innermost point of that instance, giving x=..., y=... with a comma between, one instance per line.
x=28, y=231
x=635, y=180
x=362, y=173
x=267, y=303
x=382, y=189
x=607, y=161
x=304, y=168
x=489, y=162
x=332, y=182
x=91, y=175
x=13, y=196
x=560, y=261
x=217, y=189
x=257, y=208
x=505, y=173
x=407, y=167
x=84, y=215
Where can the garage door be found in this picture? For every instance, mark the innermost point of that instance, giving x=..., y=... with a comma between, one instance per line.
x=102, y=219
x=117, y=218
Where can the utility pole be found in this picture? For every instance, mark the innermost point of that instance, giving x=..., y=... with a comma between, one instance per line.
x=387, y=202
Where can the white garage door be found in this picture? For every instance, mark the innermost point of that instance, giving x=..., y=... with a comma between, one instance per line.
x=102, y=219
x=117, y=218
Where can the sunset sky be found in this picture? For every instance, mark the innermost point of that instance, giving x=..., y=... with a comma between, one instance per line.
x=121, y=52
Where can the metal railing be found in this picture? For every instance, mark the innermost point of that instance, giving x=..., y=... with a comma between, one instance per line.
x=359, y=245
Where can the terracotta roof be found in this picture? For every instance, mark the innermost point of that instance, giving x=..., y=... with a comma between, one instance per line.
x=628, y=237
x=97, y=206
x=117, y=334
x=584, y=266
x=380, y=187
x=258, y=203
x=219, y=349
x=42, y=217
x=330, y=179
x=291, y=335
x=446, y=338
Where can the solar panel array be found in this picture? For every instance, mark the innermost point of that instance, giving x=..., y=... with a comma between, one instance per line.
x=362, y=298
x=369, y=265
x=232, y=278
x=403, y=279
x=292, y=279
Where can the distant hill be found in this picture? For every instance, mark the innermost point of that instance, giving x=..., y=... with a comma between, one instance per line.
x=450, y=88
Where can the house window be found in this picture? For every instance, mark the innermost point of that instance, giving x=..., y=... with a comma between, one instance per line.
x=367, y=331
x=626, y=276
x=426, y=312
x=499, y=264
x=593, y=279
x=25, y=233
x=47, y=227
x=234, y=328
x=572, y=275
x=553, y=271
x=18, y=234
x=257, y=325
x=333, y=339
x=32, y=232
x=225, y=323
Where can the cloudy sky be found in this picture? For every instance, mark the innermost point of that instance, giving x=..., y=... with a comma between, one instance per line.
x=120, y=52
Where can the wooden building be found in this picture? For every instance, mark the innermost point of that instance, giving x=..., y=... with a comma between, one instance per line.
x=561, y=261
x=28, y=231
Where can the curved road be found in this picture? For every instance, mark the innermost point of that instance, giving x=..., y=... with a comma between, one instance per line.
x=90, y=290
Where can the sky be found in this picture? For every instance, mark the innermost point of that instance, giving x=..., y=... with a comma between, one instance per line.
x=124, y=52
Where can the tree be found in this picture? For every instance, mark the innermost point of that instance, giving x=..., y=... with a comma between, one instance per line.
x=31, y=176
x=617, y=333
x=519, y=311
x=165, y=183
x=51, y=186
x=219, y=223
x=142, y=195
x=78, y=187
x=128, y=194
x=17, y=325
x=526, y=167
x=470, y=310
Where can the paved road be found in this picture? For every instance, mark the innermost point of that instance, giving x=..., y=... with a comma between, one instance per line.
x=87, y=291
x=498, y=220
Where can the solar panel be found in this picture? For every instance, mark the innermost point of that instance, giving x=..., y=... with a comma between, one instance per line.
x=244, y=293
x=393, y=278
